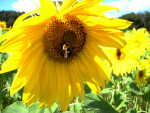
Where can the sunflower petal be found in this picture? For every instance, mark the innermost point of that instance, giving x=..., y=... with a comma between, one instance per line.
x=22, y=17
x=47, y=9
x=66, y=5
x=84, y=4
x=64, y=88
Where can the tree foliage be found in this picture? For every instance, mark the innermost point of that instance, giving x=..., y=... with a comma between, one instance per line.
x=139, y=20
x=9, y=16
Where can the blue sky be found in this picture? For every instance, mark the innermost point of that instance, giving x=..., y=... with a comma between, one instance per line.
x=125, y=6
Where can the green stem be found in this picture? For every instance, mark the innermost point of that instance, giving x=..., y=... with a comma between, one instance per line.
x=147, y=106
x=50, y=110
x=135, y=102
x=119, y=83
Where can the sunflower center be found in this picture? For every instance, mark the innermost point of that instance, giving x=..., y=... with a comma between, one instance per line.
x=120, y=54
x=137, y=43
x=141, y=74
x=64, y=38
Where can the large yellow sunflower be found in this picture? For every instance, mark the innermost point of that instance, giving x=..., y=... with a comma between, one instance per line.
x=58, y=50
x=139, y=41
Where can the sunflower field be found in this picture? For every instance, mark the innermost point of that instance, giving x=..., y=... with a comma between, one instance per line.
x=121, y=95
x=74, y=60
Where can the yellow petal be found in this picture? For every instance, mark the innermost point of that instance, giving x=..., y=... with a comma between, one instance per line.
x=51, y=87
x=84, y=4
x=64, y=87
x=104, y=70
x=47, y=9
x=23, y=16
x=20, y=79
x=94, y=87
x=33, y=84
x=66, y=5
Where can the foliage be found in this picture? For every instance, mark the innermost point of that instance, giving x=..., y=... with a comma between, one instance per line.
x=9, y=16
x=139, y=20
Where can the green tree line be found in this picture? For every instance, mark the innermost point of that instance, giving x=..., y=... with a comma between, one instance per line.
x=9, y=16
x=139, y=20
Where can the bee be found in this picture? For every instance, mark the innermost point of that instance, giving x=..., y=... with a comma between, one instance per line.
x=66, y=51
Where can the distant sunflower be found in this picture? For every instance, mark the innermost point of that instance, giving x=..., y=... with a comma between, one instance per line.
x=139, y=41
x=123, y=60
x=141, y=76
x=145, y=63
x=58, y=50
x=3, y=25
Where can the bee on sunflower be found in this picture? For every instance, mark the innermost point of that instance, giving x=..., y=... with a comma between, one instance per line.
x=58, y=50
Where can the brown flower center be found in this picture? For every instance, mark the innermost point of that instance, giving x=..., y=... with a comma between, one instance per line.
x=64, y=38
x=120, y=54
x=141, y=73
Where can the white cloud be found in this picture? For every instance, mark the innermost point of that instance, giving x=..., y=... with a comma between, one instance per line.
x=133, y=5
x=26, y=5
x=127, y=7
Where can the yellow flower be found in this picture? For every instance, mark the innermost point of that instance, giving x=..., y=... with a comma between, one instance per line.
x=141, y=76
x=58, y=50
x=145, y=63
x=3, y=25
x=123, y=60
x=139, y=41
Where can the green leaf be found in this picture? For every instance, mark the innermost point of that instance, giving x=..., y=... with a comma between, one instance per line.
x=35, y=108
x=17, y=107
x=132, y=111
x=146, y=96
x=95, y=104
x=86, y=88
x=134, y=89
x=123, y=104
x=107, y=90
x=55, y=108
x=75, y=107
x=117, y=98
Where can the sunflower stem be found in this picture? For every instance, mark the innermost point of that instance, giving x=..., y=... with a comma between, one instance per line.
x=50, y=110
x=147, y=106
x=119, y=83
x=135, y=102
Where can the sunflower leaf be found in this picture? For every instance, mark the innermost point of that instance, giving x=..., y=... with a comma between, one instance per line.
x=146, y=96
x=132, y=111
x=107, y=90
x=35, y=108
x=17, y=107
x=93, y=103
x=134, y=89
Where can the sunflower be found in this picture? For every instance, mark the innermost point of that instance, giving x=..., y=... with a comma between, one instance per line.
x=139, y=41
x=58, y=50
x=142, y=76
x=145, y=63
x=3, y=25
x=123, y=60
